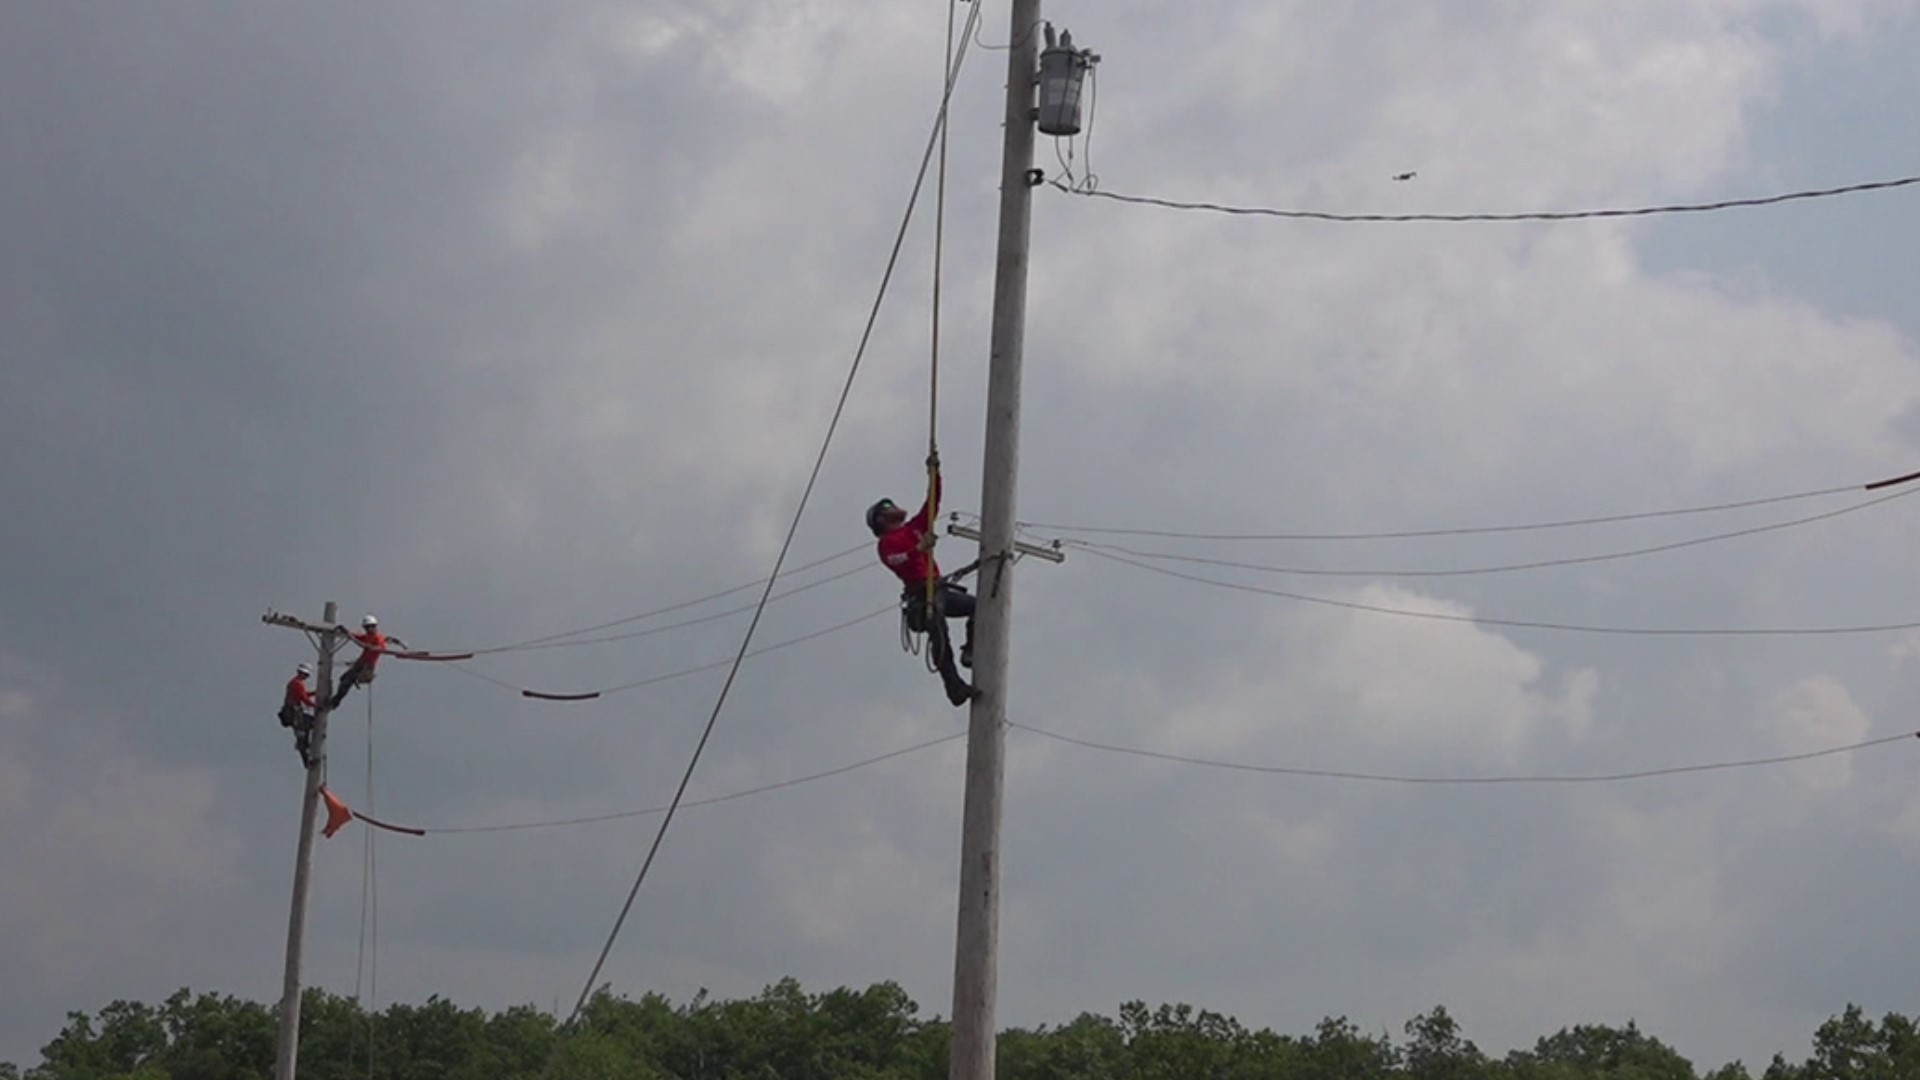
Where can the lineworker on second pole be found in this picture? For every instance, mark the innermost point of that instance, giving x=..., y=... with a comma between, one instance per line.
x=372, y=643
x=906, y=547
x=297, y=707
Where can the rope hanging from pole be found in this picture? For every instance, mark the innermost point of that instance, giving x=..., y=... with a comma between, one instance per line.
x=933, y=375
x=370, y=911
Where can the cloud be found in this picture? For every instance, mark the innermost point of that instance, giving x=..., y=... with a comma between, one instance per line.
x=116, y=858
x=1817, y=713
x=500, y=324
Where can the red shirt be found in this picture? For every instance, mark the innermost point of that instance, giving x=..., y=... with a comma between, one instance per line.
x=900, y=549
x=298, y=694
x=372, y=644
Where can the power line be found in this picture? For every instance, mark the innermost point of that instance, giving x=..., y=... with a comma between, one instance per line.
x=1518, y=624
x=1395, y=778
x=684, y=623
x=1284, y=770
x=590, y=695
x=558, y=823
x=846, y=390
x=1539, y=564
x=1415, y=534
x=1531, y=215
x=545, y=640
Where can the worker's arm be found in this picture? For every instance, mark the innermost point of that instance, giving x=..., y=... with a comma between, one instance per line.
x=924, y=519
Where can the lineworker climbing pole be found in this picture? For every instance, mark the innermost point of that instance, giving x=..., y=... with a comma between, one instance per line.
x=905, y=547
x=297, y=707
x=372, y=643
x=928, y=600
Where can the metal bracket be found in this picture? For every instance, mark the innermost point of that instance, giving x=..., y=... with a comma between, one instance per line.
x=1050, y=552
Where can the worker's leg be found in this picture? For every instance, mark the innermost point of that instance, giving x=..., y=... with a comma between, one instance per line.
x=356, y=673
x=958, y=603
x=940, y=648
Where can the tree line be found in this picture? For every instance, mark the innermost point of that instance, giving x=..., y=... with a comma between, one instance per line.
x=786, y=1033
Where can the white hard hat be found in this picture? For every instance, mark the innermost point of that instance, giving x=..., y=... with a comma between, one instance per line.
x=304, y=669
x=369, y=621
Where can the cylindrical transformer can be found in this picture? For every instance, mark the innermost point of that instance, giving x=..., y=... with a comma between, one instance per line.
x=1062, y=68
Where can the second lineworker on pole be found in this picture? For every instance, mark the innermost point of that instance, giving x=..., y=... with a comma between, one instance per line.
x=373, y=644
x=905, y=547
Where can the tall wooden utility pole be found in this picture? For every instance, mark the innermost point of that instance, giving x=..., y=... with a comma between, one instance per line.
x=287, y=1053
x=977, y=945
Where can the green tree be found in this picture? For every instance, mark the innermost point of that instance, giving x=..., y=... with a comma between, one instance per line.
x=1436, y=1050
x=1852, y=1047
x=128, y=1037
x=1600, y=1052
x=215, y=1037
x=1339, y=1051
x=1088, y=1048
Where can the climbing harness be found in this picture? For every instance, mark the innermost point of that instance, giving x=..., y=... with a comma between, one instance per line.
x=914, y=610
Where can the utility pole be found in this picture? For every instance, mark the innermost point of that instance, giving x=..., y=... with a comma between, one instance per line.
x=977, y=942
x=1056, y=74
x=288, y=1050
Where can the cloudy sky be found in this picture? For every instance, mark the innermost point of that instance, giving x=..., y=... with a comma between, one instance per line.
x=502, y=320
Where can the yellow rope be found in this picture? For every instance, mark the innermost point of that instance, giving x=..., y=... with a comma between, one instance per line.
x=933, y=378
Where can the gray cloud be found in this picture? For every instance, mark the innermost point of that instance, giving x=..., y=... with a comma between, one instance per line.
x=501, y=322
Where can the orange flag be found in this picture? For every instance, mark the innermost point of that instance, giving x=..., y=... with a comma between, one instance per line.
x=337, y=813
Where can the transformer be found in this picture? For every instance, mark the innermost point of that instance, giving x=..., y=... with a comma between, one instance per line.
x=1063, y=69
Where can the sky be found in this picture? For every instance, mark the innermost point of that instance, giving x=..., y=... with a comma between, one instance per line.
x=504, y=320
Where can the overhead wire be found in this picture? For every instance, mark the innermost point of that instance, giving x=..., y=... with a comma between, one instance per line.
x=952, y=71
x=981, y=43
x=1478, y=530
x=1428, y=780
x=781, y=785
x=1529, y=215
x=1134, y=751
x=1538, y=564
x=1184, y=759
x=681, y=606
x=697, y=621
x=550, y=640
x=1089, y=180
x=1168, y=756
x=590, y=695
x=1517, y=624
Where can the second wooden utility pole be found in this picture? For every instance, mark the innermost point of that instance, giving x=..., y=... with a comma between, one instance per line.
x=977, y=945
x=286, y=1058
